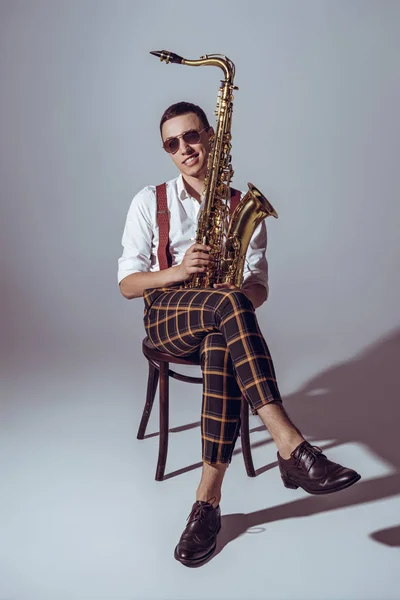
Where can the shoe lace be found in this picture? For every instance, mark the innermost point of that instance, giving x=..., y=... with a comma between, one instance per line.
x=199, y=510
x=309, y=451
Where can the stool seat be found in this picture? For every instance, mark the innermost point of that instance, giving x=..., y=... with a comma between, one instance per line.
x=159, y=362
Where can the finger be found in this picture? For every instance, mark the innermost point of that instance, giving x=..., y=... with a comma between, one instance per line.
x=193, y=262
x=199, y=247
x=227, y=286
x=196, y=269
x=201, y=255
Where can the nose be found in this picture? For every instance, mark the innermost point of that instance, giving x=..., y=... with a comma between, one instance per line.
x=184, y=146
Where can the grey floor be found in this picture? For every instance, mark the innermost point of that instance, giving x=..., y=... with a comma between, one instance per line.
x=82, y=517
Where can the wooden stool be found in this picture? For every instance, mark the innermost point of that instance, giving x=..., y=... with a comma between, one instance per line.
x=159, y=369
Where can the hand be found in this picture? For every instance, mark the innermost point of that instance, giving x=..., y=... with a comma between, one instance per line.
x=227, y=286
x=196, y=259
x=230, y=286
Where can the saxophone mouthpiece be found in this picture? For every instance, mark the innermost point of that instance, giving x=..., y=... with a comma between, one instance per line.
x=168, y=56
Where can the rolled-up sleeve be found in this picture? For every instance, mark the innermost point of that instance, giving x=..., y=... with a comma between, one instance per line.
x=137, y=236
x=256, y=265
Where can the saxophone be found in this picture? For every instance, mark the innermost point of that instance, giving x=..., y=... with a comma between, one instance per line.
x=228, y=236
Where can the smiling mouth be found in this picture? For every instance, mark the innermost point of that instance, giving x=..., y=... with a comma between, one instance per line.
x=191, y=159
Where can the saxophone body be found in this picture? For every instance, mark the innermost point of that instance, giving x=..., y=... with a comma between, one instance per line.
x=228, y=236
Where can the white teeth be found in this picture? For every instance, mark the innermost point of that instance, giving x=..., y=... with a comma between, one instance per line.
x=191, y=159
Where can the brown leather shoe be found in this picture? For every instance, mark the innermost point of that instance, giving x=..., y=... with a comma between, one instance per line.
x=199, y=538
x=309, y=469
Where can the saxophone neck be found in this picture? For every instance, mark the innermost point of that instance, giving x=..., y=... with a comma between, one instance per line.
x=208, y=60
x=214, y=60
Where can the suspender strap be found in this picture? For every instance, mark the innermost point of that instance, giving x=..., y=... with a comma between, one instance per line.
x=235, y=199
x=163, y=253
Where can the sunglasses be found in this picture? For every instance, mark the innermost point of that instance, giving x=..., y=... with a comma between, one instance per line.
x=192, y=136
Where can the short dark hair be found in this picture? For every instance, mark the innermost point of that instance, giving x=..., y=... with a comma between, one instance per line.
x=182, y=108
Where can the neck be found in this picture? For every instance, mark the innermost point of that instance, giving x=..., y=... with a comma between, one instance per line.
x=194, y=186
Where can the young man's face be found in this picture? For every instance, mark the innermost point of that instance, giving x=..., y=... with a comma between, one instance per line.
x=191, y=159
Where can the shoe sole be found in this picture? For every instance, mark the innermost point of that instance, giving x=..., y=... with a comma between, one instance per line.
x=197, y=561
x=293, y=486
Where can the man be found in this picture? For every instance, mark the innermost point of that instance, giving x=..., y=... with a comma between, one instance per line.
x=221, y=324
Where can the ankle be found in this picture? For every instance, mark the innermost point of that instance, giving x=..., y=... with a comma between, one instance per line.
x=209, y=489
x=286, y=447
x=213, y=497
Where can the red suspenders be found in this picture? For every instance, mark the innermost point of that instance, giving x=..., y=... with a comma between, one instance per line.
x=163, y=253
x=235, y=199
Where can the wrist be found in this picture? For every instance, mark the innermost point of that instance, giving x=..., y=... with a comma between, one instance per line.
x=175, y=274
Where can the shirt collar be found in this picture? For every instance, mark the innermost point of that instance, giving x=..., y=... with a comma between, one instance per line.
x=182, y=192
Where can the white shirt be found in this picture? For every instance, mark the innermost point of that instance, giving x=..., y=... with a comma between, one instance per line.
x=140, y=236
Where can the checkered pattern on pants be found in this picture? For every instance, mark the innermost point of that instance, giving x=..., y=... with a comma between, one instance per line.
x=222, y=326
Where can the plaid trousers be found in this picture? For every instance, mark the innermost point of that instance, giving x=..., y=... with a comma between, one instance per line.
x=222, y=326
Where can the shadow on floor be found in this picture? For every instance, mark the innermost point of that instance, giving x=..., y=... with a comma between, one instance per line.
x=388, y=537
x=357, y=401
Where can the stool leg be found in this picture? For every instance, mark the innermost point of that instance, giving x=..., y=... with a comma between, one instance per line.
x=245, y=439
x=152, y=382
x=164, y=418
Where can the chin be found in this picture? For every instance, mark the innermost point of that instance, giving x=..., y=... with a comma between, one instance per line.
x=198, y=171
x=193, y=172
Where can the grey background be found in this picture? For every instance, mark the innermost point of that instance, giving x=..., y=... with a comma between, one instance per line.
x=316, y=128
